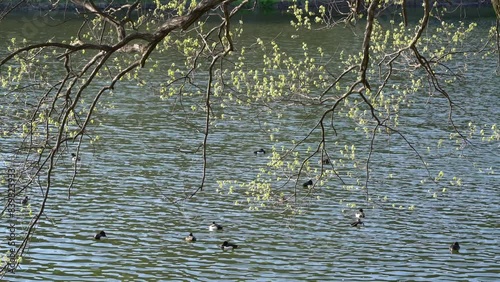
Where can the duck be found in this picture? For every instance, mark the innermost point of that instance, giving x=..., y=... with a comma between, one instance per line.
x=74, y=157
x=357, y=223
x=454, y=248
x=260, y=152
x=228, y=246
x=360, y=214
x=99, y=235
x=308, y=183
x=325, y=160
x=190, y=238
x=214, y=226
x=25, y=200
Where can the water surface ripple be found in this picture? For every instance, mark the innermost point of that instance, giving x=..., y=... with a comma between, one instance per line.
x=128, y=184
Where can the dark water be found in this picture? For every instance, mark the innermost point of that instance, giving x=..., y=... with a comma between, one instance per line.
x=129, y=183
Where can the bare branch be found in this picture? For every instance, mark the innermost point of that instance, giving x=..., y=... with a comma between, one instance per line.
x=366, y=42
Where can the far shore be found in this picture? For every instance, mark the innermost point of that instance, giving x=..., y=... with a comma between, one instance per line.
x=267, y=5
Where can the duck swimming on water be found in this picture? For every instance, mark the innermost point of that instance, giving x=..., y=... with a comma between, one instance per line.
x=360, y=214
x=454, y=248
x=260, y=152
x=74, y=157
x=307, y=183
x=99, y=235
x=190, y=238
x=228, y=246
x=214, y=226
x=325, y=160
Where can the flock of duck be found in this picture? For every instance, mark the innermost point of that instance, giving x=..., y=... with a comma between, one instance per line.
x=190, y=238
x=213, y=227
x=454, y=248
x=226, y=245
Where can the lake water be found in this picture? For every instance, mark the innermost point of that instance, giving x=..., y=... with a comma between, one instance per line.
x=130, y=182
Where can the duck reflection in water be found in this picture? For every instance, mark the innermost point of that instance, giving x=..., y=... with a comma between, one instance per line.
x=357, y=223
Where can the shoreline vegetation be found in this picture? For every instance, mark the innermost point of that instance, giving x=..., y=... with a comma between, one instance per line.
x=266, y=5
